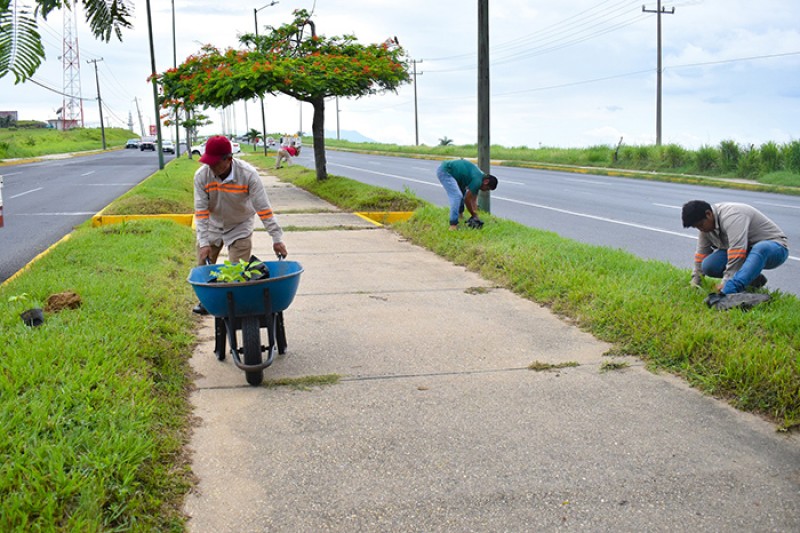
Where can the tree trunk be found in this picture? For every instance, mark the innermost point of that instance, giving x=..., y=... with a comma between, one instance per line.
x=318, y=132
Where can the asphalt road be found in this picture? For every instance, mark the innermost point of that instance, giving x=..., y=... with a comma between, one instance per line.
x=642, y=217
x=45, y=200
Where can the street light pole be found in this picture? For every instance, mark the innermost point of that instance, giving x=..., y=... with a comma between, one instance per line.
x=99, y=100
x=263, y=115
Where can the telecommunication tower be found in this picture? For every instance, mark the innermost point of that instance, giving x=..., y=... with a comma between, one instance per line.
x=72, y=114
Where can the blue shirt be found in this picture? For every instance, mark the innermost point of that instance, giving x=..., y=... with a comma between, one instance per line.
x=466, y=174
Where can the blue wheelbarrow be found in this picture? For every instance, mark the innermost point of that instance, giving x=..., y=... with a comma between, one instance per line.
x=246, y=308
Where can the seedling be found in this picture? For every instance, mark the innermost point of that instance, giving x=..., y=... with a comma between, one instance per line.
x=238, y=272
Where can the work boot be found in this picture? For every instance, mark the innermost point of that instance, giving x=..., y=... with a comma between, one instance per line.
x=759, y=282
x=199, y=309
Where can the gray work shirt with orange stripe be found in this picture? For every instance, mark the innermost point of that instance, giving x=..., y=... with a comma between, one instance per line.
x=224, y=209
x=737, y=227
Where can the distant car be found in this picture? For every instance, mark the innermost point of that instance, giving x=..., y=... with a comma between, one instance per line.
x=147, y=145
x=132, y=143
x=200, y=150
x=168, y=147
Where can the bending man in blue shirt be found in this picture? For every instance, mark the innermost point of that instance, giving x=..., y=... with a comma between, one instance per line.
x=462, y=180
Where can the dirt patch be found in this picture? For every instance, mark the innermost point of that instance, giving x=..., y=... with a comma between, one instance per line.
x=62, y=300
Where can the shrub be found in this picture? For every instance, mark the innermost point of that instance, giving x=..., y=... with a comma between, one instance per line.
x=770, y=157
x=729, y=153
x=706, y=158
x=674, y=156
x=748, y=166
x=791, y=156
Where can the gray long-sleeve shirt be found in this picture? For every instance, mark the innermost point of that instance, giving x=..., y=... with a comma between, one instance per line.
x=224, y=209
x=737, y=227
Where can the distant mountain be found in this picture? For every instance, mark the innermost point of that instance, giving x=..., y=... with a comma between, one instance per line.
x=348, y=135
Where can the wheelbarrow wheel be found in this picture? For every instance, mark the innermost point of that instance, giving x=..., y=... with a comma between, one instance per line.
x=251, y=344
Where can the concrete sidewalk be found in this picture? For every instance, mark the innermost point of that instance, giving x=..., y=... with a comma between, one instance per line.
x=438, y=425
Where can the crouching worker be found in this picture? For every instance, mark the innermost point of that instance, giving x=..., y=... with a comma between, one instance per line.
x=227, y=194
x=736, y=243
x=461, y=181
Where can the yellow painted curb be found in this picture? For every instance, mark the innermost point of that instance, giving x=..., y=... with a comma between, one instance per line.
x=380, y=218
x=102, y=220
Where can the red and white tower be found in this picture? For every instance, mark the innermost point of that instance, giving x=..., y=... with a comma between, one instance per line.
x=72, y=110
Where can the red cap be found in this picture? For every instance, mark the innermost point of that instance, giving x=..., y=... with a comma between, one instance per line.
x=217, y=148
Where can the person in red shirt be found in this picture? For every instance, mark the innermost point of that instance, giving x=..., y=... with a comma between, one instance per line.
x=285, y=153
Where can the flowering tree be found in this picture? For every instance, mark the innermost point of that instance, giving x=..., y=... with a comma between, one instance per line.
x=292, y=61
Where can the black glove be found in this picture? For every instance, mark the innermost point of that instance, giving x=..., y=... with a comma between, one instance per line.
x=474, y=222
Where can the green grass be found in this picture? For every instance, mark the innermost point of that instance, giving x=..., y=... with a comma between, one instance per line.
x=94, y=404
x=18, y=143
x=168, y=191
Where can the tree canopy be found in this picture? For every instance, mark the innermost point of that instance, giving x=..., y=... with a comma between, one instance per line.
x=291, y=60
x=21, y=50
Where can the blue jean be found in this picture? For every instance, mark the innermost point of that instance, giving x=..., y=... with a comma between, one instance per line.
x=763, y=255
x=454, y=194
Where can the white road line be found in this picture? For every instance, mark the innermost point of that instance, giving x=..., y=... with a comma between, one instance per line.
x=108, y=184
x=24, y=193
x=88, y=173
x=779, y=205
x=387, y=175
x=12, y=173
x=595, y=217
x=668, y=206
x=576, y=180
x=503, y=182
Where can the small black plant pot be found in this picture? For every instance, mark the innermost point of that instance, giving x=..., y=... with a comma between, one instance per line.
x=33, y=317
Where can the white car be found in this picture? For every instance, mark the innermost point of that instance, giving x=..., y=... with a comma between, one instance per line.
x=200, y=150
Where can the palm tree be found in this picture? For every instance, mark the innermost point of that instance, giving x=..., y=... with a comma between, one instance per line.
x=252, y=137
x=444, y=141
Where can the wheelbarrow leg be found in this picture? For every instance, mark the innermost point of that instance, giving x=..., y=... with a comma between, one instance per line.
x=220, y=332
x=280, y=334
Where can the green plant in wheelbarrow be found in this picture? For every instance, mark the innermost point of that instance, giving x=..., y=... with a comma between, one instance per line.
x=241, y=271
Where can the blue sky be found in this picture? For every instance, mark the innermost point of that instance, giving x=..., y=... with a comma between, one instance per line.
x=566, y=74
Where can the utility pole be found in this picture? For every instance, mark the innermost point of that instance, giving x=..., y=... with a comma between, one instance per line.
x=416, y=117
x=484, y=156
x=99, y=100
x=659, y=11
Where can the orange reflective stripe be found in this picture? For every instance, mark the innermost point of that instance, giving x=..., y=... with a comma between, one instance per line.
x=202, y=214
x=230, y=188
x=735, y=253
x=267, y=213
x=699, y=257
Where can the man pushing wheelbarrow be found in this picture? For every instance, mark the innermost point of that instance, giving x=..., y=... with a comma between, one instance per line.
x=227, y=193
